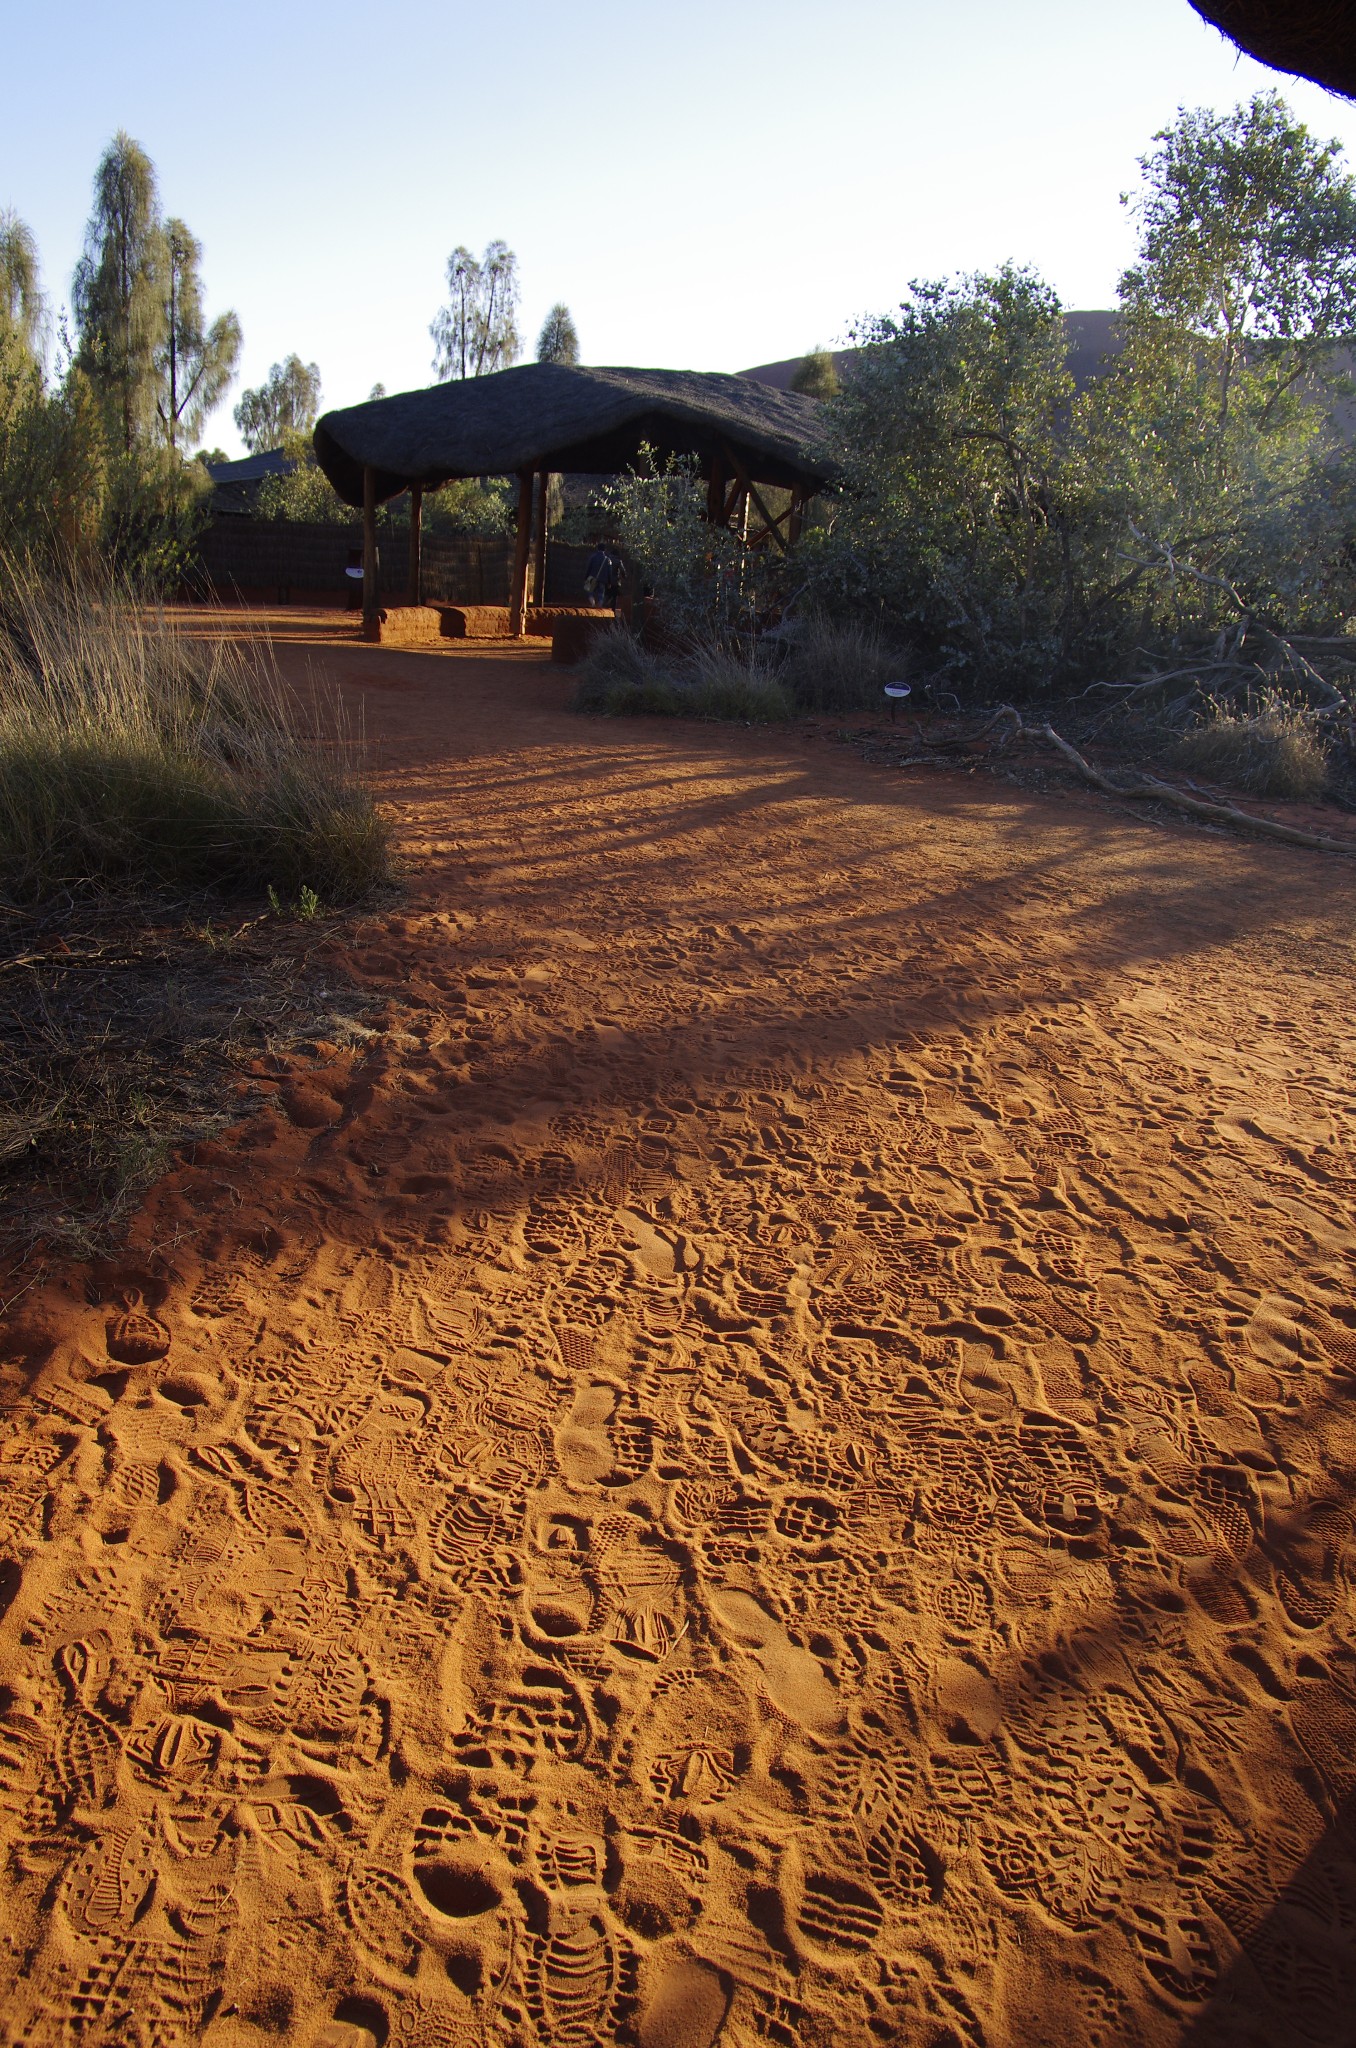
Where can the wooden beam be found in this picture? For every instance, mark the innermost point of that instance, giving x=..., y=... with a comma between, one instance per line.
x=543, y=516
x=521, y=553
x=770, y=525
x=416, y=544
x=715, y=492
x=370, y=606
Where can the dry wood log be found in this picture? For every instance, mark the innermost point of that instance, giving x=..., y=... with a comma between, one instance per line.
x=1150, y=788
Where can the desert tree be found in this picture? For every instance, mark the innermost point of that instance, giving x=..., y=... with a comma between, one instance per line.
x=1247, y=250
x=23, y=310
x=476, y=332
x=286, y=403
x=196, y=362
x=558, y=341
x=815, y=375
x=119, y=300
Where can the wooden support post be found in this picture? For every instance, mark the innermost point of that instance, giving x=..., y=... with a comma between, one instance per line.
x=521, y=553
x=370, y=606
x=715, y=492
x=416, y=595
x=799, y=499
x=543, y=518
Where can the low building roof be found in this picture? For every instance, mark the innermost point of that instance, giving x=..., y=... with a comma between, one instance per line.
x=587, y=422
x=236, y=484
x=1309, y=38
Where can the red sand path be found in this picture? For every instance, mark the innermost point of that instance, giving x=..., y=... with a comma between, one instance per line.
x=771, y=1463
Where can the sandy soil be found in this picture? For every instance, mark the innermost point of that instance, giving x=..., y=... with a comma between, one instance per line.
x=771, y=1462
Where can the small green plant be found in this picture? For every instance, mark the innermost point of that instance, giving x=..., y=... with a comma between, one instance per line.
x=308, y=903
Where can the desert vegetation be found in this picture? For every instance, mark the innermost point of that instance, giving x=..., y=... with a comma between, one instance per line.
x=134, y=756
x=1169, y=547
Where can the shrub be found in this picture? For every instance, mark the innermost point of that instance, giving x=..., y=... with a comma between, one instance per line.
x=838, y=665
x=620, y=678
x=135, y=757
x=1274, y=752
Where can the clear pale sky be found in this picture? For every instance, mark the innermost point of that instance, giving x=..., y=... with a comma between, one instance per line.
x=706, y=185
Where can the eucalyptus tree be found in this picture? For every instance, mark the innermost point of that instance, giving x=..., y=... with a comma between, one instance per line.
x=558, y=341
x=119, y=297
x=287, y=402
x=23, y=310
x=196, y=362
x=476, y=332
x=1247, y=226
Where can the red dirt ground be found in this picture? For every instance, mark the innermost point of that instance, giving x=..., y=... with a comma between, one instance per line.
x=772, y=1461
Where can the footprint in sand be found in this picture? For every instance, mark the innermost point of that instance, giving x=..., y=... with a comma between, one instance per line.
x=582, y=1445
x=683, y=2004
x=796, y=1681
x=136, y=1337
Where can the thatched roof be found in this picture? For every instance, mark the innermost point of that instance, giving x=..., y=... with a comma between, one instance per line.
x=1311, y=38
x=574, y=421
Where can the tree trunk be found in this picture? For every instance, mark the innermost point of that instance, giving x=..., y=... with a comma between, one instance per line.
x=521, y=552
x=369, y=549
x=416, y=544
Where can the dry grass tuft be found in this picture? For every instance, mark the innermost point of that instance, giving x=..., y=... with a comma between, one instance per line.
x=1275, y=752
x=620, y=678
x=809, y=667
x=839, y=665
x=137, y=758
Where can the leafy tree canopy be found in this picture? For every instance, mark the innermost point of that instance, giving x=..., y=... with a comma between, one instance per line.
x=118, y=298
x=23, y=310
x=476, y=332
x=816, y=375
x=558, y=341
x=196, y=362
x=288, y=401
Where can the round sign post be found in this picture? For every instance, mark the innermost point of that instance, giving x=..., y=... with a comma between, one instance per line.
x=894, y=691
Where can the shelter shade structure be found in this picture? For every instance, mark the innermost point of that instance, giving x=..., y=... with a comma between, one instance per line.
x=1313, y=39
x=545, y=419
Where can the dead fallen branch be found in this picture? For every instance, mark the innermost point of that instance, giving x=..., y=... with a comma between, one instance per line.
x=1148, y=787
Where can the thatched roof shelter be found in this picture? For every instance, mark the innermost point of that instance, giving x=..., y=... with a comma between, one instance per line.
x=553, y=418
x=1310, y=38
x=568, y=420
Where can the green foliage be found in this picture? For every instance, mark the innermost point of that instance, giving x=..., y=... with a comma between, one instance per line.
x=155, y=507
x=558, y=341
x=118, y=299
x=816, y=376
x=476, y=332
x=23, y=310
x=286, y=402
x=54, y=462
x=1029, y=536
x=705, y=582
x=837, y=665
x=196, y=363
x=469, y=505
x=134, y=757
x=621, y=679
x=951, y=437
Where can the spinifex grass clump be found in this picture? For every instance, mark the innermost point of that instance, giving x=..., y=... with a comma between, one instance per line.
x=620, y=678
x=1273, y=752
x=135, y=757
x=839, y=665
